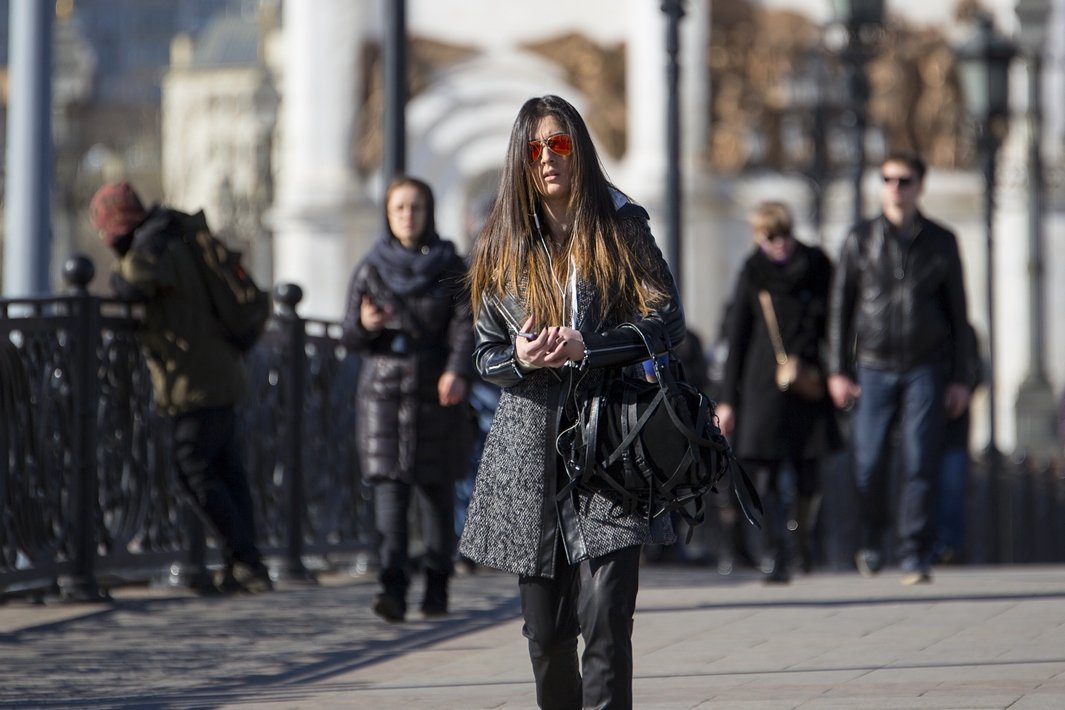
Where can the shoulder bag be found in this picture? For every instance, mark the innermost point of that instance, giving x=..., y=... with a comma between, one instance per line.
x=793, y=374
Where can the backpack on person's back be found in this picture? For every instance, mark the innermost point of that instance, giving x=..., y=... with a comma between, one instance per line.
x=241, y=306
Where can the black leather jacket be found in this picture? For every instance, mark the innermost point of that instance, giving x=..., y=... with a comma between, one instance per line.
x=898, y=303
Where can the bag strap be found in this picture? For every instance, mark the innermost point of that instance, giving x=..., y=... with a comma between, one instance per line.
x=746, y=495
x=771, y=325
x=668, y=384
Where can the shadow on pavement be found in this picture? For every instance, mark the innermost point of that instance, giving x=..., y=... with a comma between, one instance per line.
x=194, y=652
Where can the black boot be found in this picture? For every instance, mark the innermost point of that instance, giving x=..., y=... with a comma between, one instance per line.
x=776, y=538
x=391, y=603
x=435, y=601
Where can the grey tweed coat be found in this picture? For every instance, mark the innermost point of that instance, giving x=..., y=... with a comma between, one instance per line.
x=514, y=520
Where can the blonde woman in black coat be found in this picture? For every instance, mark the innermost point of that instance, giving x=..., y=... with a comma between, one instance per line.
x=408, y=316
x=770, y=428
x=564, y=259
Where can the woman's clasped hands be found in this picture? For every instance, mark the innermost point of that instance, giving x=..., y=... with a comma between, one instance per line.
x=552, y=346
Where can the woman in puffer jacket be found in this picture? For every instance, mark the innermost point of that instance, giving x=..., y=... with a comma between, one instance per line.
x=408, y=316
x=563, y=261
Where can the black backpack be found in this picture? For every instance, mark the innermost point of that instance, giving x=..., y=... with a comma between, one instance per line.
x=241, y=306
x=654, y=447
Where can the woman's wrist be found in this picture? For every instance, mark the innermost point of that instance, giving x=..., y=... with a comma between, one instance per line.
x=581, y=360
x=524, y=365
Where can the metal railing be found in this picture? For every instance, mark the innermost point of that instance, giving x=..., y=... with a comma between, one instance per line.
x=1014, y=511
x=88, y=497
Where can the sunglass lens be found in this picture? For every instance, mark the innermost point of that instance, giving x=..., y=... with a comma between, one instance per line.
x=560, y=144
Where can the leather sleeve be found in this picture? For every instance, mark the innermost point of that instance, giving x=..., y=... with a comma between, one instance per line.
x=493, y=351
x=957, y=312
x=842, y=304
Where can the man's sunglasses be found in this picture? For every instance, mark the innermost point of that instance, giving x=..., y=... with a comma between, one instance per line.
x=900, y=180
x=777, y=236
x=559, y=144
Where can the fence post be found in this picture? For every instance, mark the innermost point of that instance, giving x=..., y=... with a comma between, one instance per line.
x=287, y=297
x=1001, y=508
x=1056, y=479
x=78, y=271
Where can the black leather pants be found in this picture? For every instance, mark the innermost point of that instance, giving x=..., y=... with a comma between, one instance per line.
x=597, y=599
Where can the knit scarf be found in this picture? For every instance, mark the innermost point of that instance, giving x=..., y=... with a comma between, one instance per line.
x=407, y=271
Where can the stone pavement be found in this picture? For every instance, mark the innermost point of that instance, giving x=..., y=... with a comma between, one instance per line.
x=975, y=638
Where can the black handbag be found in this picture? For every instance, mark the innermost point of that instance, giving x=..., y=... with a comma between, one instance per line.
x=653, y=447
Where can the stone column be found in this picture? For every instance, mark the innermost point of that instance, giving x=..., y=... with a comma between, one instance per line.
x=321, y=218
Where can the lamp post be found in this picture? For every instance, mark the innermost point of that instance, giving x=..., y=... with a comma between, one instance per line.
x=810, y=93
x=983, y=67
x=27, y=187
x=1036, y=409
x=674, y=11
x=395, y=89
x=862, y=20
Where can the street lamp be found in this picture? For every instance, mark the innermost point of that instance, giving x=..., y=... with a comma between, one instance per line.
x=862, y=19
x=810, y=93
x=983, y=69
x=674, y=11
x=1036, y=410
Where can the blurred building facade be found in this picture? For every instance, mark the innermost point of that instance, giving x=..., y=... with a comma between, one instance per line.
x=268, y=115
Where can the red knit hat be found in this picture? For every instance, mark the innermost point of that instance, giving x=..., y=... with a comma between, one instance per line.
x=115, y=210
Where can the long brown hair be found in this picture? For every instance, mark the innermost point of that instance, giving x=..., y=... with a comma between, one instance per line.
x=509, y=256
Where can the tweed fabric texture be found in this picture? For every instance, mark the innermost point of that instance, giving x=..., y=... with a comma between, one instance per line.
x=508, y=517
x=504, y=524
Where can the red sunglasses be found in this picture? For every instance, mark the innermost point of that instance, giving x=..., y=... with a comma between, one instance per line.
x=560, y=144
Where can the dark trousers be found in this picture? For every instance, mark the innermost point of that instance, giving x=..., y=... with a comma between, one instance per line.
x=953, y=480
x=779, y=500
x=392, y=500
x=210, y=469
x=915, y=400
x=595, y=598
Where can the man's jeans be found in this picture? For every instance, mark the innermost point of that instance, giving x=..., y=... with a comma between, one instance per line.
x=915, y=399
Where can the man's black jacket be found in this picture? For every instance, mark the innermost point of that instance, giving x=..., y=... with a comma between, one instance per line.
x=898, y=302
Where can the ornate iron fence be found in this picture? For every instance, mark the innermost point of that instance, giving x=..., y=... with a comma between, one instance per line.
x=88, y=498
x=88, y=494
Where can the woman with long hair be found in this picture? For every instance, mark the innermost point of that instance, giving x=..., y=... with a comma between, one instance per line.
x=563, y=260
x=408, y=316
